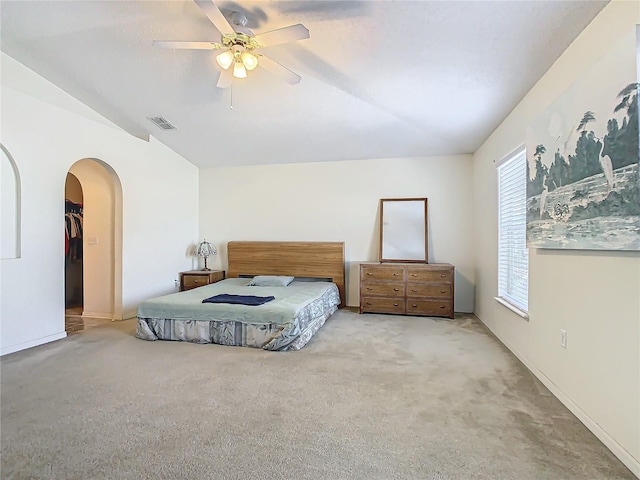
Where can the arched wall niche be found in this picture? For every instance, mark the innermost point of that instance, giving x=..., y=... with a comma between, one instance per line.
x=10, y=206
x=102, y=238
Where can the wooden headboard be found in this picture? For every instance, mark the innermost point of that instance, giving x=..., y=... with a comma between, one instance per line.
x=298, y=259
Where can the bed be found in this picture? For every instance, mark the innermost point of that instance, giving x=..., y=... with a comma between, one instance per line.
x=287, y=322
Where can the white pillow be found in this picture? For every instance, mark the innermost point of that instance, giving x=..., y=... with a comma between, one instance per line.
x=270, y=281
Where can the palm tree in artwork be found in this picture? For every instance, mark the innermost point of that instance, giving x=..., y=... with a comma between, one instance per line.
x=588, y=116
x=621, y=144
x=540, y=149
x=628, y=98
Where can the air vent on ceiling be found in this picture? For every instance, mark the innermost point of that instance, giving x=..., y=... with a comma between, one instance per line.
x=162, y=123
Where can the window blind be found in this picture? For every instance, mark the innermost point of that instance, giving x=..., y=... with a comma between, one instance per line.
x=513, y=256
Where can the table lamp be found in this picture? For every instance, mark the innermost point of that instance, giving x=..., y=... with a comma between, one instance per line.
x=204, y=250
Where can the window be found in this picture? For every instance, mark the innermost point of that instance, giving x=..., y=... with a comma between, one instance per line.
x=513, y=256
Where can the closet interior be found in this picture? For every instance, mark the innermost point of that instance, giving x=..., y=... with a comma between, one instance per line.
x=73, y=245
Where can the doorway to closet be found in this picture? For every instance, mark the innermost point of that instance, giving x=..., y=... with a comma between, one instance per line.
x=93, y=245
x=73, y=275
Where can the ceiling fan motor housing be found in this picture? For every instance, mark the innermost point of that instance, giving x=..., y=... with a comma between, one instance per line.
x=238, y=19
x=240, y=39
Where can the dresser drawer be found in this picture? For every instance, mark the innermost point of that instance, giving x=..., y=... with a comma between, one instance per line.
x=383, y=305
x=383, y=289
x=430, y=290
x=432, y=275
x=433, y=308
x=378, y=273
x=193, y=281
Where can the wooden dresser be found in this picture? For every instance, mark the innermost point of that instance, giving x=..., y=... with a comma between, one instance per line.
x=407, y=288
x=198, y=278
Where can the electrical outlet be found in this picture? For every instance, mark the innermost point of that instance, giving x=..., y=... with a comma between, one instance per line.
x=563, y=338
x=176, y=283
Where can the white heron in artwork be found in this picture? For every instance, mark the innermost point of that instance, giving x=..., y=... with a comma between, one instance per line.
x=543, y=196
x=603, y=158
x=607, y=168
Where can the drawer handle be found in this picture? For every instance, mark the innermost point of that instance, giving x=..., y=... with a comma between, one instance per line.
x=369, y=288
x=369, y=273
x=414, y=274
x=395, y=274
x=395, y=304
x=442, y=275
x=196, y=281
x=396, y=290
x=443, y=291
x=442, y=306
x=413, y=291
x=368, y=303
x=414, y=305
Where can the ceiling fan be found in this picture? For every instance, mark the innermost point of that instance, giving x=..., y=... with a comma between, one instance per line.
x=239, y=45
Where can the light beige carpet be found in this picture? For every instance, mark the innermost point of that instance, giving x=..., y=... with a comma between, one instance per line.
x=370, y=397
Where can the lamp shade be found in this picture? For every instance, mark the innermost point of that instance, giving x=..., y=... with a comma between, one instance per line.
x=249, y=60
x=238, y=70
x=206, y=249
x=225, y=59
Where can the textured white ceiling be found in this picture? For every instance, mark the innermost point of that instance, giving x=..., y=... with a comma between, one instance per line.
x=380, y=79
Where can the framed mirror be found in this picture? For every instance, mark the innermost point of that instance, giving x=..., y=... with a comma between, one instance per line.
x=403, y=230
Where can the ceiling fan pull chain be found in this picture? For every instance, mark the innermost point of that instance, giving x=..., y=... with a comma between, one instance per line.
x=231, y=98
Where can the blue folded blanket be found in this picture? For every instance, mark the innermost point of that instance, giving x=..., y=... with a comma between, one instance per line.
x=238, y=299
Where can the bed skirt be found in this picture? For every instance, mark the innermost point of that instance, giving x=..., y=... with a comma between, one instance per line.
x=290, y=336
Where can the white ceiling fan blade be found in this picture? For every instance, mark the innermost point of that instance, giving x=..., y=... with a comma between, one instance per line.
x=186, y=45
x=225, y=79
x=283, y=35
x=278, y=70
x=214, y=14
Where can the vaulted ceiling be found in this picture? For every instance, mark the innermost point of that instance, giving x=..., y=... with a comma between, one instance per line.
x=380, y=79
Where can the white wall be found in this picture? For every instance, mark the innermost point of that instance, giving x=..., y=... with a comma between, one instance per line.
x=339, y=201
x=9, y=207
x=595, y=296
x=46, y=132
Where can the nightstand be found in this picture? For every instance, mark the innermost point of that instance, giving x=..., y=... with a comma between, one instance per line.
x=198, y=278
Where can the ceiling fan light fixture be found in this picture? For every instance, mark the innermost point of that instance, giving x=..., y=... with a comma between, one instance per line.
x=238, y=45
x=225, y=59
x=239, y=71
x=249, y=60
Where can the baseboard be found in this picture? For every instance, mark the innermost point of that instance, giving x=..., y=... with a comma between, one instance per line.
x=116, y=318
x=101, y=315
x=618, y=450
x=32, y=343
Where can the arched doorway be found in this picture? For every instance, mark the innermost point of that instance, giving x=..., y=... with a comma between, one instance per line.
x=101, y=240
x=11, y=202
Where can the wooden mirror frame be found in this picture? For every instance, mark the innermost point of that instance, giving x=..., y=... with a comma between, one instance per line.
x=408, y=225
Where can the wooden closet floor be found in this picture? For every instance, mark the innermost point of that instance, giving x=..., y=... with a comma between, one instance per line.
x=75, y=322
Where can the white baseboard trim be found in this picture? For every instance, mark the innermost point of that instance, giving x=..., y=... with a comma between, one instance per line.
x=32, y=343
x=102, y=315
x=116, y=318
x=618, y=450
